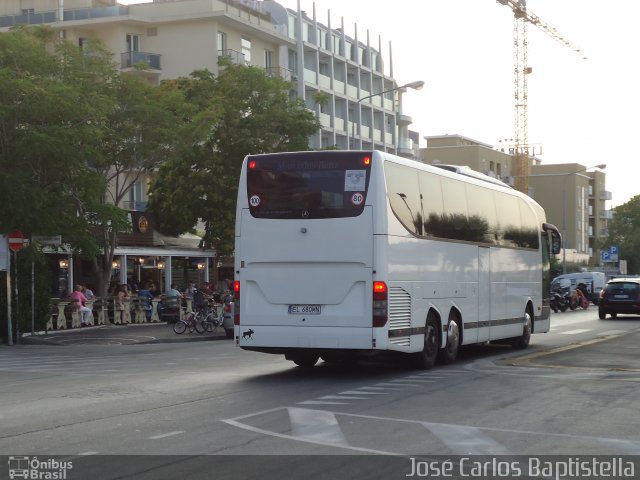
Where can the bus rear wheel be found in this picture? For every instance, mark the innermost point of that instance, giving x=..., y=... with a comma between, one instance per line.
x=306, y=360
x=450, y=351
x=426, y=358
x=522, y=341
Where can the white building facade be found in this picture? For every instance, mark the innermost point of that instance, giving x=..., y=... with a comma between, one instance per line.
x=342, y=79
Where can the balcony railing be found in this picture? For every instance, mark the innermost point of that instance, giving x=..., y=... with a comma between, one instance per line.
x=281, y=72
x=148, y=61
x=236, y=57
x=37, y=18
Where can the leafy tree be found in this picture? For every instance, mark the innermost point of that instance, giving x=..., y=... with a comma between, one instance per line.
x=49, y=123
x=242, y=111
x=138, y=134
x=624, y=231
x=75, y=136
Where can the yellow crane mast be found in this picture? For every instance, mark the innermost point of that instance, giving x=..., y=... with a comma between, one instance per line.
x=522, y=16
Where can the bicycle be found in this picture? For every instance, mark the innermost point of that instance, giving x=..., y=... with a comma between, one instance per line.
x=212, y=319
x=191, y=322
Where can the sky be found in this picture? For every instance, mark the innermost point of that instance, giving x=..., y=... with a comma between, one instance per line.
x=580, y=110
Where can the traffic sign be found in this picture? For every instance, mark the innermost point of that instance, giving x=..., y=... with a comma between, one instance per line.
x=16, y=241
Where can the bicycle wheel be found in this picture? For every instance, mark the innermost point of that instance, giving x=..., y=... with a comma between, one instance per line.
x=208, y=324
x=188, y=320
x=179, y=326
x=198, y=323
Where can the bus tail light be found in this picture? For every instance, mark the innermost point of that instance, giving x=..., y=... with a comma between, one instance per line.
x=236, y=302
x=379, y=304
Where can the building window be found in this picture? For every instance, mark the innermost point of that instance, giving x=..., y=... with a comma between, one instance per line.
x=268, y=59
x=133, y=43
x=222, y=41
x=83, y=43
x=292, y=26
x=245, y=43
x=293, y=61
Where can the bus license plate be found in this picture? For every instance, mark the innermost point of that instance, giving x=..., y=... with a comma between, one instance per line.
x=305, y=309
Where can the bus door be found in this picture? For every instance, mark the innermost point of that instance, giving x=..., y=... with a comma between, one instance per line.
x=484, y=294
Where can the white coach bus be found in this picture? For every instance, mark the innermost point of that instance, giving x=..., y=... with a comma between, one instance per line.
x=347, y=253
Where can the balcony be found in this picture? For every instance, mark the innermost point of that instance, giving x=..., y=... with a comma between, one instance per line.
x=606, y=214
x=140, y=60
x=236, y=57
x=281, y=72
x=38, y=18
x=405, y=147
x=605, y=195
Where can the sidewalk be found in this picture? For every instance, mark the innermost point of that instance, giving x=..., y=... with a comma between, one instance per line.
x=131, y=334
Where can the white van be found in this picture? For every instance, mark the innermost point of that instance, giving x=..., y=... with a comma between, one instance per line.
x=595, y=282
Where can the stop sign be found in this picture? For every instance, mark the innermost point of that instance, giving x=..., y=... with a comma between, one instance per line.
x=16, y=241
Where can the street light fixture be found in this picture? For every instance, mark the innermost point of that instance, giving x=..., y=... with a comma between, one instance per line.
x=417, y=85
x=601, y=166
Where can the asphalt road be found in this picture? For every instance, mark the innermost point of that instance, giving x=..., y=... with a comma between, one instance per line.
x=192, y=409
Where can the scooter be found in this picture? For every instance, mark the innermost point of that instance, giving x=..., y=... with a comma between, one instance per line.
x=578, y=300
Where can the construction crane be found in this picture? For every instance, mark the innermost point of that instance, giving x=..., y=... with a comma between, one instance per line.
x=522, y=17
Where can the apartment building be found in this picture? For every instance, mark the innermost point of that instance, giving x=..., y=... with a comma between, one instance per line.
x=343, y=80
x=573, y=196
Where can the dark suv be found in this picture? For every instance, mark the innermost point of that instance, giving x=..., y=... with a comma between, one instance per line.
x=620, y=295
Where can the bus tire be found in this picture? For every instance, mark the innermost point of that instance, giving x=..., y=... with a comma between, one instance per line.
x=426, y=358
x=522, y=342
x=449, y=353
x=305, y=360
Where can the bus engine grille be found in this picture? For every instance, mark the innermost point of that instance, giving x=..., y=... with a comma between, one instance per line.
x=399, y=314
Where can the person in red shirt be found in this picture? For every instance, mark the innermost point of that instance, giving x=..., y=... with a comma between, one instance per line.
x=80, y=300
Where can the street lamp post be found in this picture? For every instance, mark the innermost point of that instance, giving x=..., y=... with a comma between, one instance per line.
x=417, y=85
x=601, y=166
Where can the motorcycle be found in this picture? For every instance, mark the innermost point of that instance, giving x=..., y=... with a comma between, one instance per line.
x=559, y=302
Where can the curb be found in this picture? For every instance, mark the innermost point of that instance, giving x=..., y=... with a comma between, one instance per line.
x=116, y=334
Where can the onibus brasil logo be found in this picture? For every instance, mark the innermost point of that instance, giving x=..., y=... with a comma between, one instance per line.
x=33, y=468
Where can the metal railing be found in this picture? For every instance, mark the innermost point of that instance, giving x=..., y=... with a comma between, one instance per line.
x=146, y=60
x=37, y=18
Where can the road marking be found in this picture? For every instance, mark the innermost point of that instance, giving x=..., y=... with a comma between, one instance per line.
x=341, y=397
x=316, y=425
x=244, y=426
x=322, y=427
x=396, y=386
x=363, y=391
x=465, y=440
x=165, y=435
x=575, y=332
x=320, y=402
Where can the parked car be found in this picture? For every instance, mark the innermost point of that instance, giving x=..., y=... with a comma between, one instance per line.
x=620, y=295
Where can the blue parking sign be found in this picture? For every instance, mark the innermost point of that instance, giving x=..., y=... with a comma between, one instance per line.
x=604, y=256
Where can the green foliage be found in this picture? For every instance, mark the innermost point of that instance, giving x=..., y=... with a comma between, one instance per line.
x=624, y=231
x=48, y=128
x=241, y=112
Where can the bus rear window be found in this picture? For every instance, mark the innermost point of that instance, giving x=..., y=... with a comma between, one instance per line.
x=308, y=185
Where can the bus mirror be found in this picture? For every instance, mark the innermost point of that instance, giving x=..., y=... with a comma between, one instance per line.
x=556, y=242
